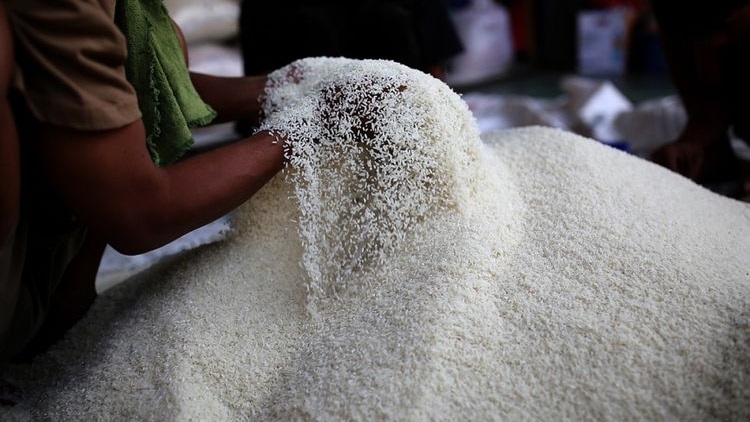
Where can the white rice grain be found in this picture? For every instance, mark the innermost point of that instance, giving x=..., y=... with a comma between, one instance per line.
x=531, y=275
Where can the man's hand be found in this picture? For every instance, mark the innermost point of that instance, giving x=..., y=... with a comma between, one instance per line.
x=108, y=180
x=233, y=98
x=702, y=162
x=685, y=158
x=361, y=105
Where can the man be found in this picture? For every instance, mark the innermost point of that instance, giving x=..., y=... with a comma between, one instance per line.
x=707, y=45
x=80, y=175
x=416, y=33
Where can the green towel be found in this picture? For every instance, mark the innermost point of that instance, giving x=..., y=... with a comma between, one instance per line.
x=156, y=68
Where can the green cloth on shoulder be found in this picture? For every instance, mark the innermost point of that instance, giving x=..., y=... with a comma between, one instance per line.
x=156, y=68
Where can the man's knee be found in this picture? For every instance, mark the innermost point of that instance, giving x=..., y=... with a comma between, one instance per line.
x=6, y=51
x=9, y=155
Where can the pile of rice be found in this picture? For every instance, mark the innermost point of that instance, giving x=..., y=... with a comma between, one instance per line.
x=405, y=269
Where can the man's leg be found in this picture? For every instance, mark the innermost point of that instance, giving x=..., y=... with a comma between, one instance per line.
x=72, y=298
x=9, y=149
x=693, y=43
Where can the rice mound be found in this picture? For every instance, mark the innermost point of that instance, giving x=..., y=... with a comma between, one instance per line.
x=370, y=157
x=550, y=278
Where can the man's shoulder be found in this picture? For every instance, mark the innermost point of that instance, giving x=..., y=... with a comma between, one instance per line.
x=70, y=59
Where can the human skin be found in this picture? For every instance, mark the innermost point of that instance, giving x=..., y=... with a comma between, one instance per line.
x=9, y=163
x=702, y=151
x=110, y=183
x=9, y=158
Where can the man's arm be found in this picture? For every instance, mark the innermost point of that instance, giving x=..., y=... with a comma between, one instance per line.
x=9, y=155
x=233, y=98
x=110, y=182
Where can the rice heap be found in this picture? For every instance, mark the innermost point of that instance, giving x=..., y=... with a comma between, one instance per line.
x=370, y=156
x=550, y=277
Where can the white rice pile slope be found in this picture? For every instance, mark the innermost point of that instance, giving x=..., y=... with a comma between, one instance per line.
x=373, y=156
x=549, y=278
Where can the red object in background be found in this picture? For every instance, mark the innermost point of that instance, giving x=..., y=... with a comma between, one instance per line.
x=519, y=26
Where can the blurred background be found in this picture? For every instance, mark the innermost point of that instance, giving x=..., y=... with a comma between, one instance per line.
x=590, y=66
x=594, y=67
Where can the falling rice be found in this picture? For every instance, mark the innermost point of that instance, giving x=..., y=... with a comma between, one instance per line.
x=402, y=268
